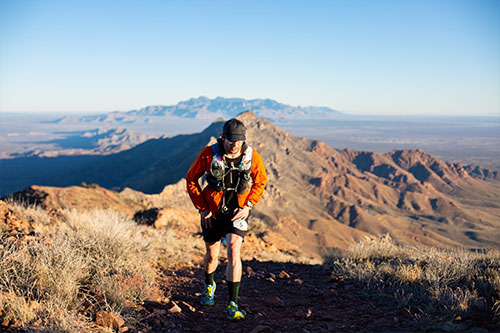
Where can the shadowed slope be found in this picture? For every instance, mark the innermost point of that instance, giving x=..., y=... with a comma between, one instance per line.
x=147, y=167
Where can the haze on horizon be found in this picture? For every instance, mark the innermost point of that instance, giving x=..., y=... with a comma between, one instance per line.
x=359, y=57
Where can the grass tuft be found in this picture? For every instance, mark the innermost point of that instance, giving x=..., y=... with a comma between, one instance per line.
x=99, y=260
x=431, y=283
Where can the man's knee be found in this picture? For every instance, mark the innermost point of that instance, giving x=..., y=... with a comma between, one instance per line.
x=212, y=253
x=234, y=248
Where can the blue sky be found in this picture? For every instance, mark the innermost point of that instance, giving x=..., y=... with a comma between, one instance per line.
x=361, y=57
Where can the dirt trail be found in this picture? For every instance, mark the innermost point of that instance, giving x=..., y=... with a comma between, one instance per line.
x=303, y=299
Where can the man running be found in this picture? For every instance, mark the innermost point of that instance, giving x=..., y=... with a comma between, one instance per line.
x=236, y=178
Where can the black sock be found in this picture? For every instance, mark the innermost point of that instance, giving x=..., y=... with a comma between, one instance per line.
x=209, y=278
x=234, y=289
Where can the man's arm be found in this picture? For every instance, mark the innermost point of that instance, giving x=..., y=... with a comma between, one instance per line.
x=259, y=179
x=197, y=170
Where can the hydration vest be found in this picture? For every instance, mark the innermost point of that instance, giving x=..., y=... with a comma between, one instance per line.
x=219, y=169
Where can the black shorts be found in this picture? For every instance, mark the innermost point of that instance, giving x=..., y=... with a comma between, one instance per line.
x=221, y=226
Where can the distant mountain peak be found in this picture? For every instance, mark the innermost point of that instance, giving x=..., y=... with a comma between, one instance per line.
x=203, y=107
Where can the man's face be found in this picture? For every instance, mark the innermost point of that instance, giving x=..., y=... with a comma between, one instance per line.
x=232, y=147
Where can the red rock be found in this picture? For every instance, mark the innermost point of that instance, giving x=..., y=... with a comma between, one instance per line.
x=277, y=302
x=108, y=319
x=191, y=308
x=298, y=281
x=284, y=275
x=175, y=308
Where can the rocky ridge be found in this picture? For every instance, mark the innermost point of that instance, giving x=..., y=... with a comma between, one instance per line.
x=318, y=197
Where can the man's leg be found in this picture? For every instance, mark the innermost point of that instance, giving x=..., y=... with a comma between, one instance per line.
x=233, y=275
x=210, y=262
x=211, y=259
x=233, y=270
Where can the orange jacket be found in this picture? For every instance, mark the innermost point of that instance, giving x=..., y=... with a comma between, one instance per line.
x=210, y=199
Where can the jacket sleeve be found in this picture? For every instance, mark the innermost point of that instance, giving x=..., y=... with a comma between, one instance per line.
x=195, y=172
x=259, y=178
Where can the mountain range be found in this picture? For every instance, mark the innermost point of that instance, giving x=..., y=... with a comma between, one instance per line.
x=317, y=197
x=205, y=108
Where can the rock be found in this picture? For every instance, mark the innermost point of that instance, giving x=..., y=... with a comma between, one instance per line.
x=277, y=302
x=191, y=308
x=334, y=278
x=261, y=328
x=298, y=281
x=284, y=275
x=299, y=313
x=108, y=319
x=175, y=308
x=245, y=309
x=10, y=222
x=272, y=276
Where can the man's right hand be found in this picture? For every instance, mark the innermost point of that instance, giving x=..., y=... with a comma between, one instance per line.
x=206, y=218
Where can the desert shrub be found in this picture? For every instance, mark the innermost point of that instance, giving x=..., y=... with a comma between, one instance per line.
x=119, y=258
x=38, y=217
x=100, y=259
x=258, y=226
x=431, y=282
x=36, y=276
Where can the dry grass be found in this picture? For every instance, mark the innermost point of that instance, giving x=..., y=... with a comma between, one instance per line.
x=434, y=286
x=95, y=260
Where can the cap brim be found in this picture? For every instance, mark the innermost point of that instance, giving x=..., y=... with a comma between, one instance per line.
x=235, y=137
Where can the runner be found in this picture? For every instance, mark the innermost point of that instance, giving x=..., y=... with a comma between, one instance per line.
x=236, y=178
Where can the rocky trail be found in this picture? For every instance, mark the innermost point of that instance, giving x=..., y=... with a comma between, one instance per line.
x=276, y=297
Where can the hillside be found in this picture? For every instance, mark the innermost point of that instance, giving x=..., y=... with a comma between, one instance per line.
x=88, y=269
x=147, y=167
x=318, y=197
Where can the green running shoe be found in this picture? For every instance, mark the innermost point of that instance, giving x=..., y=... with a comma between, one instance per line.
x=208, y=294
x=233, y=313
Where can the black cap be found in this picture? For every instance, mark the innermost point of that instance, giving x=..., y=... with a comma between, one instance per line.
x=234, y=130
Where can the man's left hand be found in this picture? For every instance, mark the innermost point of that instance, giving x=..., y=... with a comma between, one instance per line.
x=241, y=213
